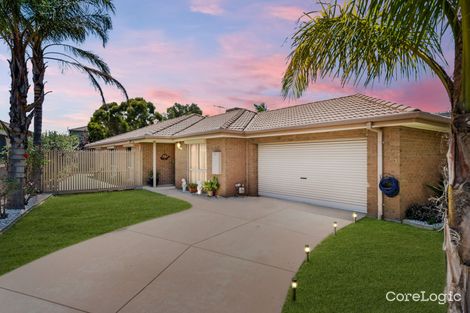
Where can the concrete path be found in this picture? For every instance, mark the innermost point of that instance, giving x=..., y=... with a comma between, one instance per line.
x=222, y=255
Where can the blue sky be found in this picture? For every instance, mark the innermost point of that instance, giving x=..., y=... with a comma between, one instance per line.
x=211, y=52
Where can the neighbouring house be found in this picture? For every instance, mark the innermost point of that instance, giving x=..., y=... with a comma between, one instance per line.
x=81, y=133
x=331, y=153
x=4, y=140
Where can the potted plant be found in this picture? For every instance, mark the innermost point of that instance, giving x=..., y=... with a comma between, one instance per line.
x=211, y=186
x=192, y=187
x=150, y=178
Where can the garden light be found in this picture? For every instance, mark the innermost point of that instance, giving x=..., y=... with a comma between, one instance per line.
x=307, y=252
x=335, y=225
x=355, y=217
x=294, y=289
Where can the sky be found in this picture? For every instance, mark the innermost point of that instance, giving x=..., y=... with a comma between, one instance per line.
x=216, y=53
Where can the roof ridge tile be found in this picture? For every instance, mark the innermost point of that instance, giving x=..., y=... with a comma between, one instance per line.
x=233, y=119
x=251, y=120
x=190, y=125
x=175, y=121
x=390, y=104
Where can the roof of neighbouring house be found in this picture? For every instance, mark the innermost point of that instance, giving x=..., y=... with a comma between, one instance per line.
x=79, y=129
x=346, y=109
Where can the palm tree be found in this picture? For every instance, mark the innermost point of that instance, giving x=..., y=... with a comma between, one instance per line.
x=363, y=40
x=51, y=25
x=262, y=107
x=15, y=36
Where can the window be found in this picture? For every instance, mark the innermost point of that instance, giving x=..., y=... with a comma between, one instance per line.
x=197, y=162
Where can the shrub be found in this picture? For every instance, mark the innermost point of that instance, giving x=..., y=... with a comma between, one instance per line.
x=426, y=212
x=212, y=184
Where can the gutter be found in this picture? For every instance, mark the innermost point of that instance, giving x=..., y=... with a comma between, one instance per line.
x=380, y=168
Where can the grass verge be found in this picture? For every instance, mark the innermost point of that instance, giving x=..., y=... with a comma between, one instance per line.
x=65, y=220
x=353, y=271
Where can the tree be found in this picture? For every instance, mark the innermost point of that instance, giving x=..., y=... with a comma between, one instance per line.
x=178, y=110
x=112, y=119
x=62, y=142
x=140, y=113
x=14, y=34
x=363, y=40
x=262, y=107
x=18, y=25
x=52, y=23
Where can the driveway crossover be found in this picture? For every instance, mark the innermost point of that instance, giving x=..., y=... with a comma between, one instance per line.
x=222, y=255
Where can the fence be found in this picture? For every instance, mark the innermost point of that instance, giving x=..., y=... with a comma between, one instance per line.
x=97, y=170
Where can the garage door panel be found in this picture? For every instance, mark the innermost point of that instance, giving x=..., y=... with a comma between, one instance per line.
x=335, y=172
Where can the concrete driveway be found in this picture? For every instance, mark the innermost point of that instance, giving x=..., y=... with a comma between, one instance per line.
x=222, y=255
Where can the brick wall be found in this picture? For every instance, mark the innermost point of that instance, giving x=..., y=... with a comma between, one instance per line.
x=372, y=183
x=251, y=168
x=360, y=133
x=415, y=157
x=421, y=161
x=146, y=161
x=391, y=166
x=181, y=165
x=233, y=154
x=166, y=168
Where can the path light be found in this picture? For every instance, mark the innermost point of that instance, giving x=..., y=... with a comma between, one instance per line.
x=335, y=225
x=307, y=252
x=294, y=289
x=355, y=216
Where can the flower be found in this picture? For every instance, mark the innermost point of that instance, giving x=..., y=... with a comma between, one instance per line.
x=26, y=155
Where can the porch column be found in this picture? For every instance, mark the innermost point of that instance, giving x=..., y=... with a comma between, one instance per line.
x=154, y=158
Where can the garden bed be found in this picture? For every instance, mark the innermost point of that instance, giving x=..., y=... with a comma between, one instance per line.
x=14, y=215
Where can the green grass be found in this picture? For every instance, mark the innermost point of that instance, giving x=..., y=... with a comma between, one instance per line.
x=353, y=271
x=65, y=220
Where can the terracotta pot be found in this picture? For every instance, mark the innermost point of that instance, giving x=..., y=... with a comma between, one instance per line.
x=192, y=190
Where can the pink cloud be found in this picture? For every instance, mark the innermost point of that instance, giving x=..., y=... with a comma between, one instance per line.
x=426, y=94
x=241, y=70
x=285, y=12
x=211, y=7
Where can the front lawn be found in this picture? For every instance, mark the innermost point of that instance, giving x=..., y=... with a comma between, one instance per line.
x=65, y=220
x=353, y=271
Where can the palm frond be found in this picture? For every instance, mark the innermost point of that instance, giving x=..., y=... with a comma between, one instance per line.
x=93, y=75
x=86, y=55
x=359, y=43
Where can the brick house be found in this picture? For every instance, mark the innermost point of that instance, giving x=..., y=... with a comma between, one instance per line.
x=331, y=153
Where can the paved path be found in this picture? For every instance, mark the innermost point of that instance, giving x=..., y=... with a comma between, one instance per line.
x=222, y=255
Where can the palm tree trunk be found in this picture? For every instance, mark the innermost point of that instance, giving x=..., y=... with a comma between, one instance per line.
x=19, y=122
x=457, y=229
x=39, y=70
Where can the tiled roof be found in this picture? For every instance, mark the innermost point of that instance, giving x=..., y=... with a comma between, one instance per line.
x=333, y=110
x=235, y=119
x=173, y=124
x=181, y=126
x=349, y=108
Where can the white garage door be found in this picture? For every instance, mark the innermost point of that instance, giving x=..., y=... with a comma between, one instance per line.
x=326, y=173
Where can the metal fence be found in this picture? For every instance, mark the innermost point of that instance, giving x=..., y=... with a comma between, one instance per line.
x=91, y=170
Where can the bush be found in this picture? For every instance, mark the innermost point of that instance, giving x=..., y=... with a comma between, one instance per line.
x=424, y=212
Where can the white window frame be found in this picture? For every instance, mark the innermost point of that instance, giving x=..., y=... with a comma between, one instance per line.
x=199, y=172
